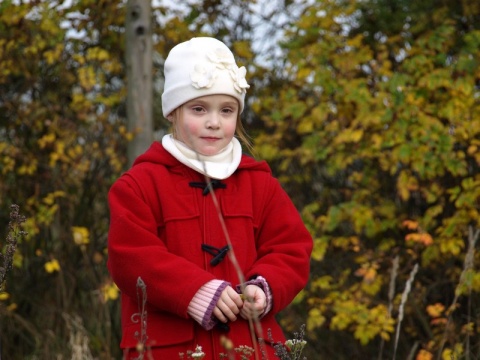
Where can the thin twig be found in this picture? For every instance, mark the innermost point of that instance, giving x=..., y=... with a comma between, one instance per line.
x=391, y=294
x=467, y=268
x=406, y=291
x=255, y=323
x=413, y=351
x=142, y=315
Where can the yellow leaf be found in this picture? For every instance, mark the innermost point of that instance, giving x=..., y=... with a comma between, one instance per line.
x=453, y=354
x=356, y=135
x=315, y=319
x=4, y=296
x=451, y=246
x=50, y=198
x=109, y=292
x=29, y=168
x=368, y=272
x=319, y=249
x=349, y=135
x=422, y=238
x=303, y=73
x=405, y=184
x=472, y=149
x=377, y=141
x=322, y=283
x=46, y=140
x=52, y=266
x=424, y=355
x=80, y=235
x=305, y=126
x=341, y=320
x=86, y=76
x=435, y=310
x=17, y=259
x=112, y=293
x=96, y=53
x=469, y=329
x=8, y=164
x=410, y=224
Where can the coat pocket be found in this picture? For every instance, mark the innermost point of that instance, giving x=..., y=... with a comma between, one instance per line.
x=162, y=329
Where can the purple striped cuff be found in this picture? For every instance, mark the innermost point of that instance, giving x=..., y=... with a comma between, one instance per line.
x=262, y=283
x=202, y=304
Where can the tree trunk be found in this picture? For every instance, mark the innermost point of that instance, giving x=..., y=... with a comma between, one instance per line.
x=139, y=76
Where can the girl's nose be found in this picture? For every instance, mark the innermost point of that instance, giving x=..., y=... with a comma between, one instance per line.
x=213, y=122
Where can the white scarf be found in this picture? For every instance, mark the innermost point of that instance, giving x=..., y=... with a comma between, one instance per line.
x=219, y=166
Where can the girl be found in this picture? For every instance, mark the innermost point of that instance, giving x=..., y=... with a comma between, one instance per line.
x=218, y=244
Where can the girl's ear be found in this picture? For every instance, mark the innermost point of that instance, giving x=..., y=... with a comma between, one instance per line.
x=170, y=117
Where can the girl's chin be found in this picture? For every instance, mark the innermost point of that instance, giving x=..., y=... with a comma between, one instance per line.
x=208, y=152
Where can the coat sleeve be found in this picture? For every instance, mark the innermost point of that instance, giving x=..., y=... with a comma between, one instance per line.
x=135, y=250
x=284, y=245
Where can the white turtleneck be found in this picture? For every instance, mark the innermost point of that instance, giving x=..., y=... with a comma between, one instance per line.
x=219, y=166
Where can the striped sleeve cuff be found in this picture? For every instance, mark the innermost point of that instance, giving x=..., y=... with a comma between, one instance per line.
x=261, y=282
x=202, y=304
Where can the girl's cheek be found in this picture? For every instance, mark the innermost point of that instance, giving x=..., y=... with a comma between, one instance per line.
x=193, y=127
x=232, y=129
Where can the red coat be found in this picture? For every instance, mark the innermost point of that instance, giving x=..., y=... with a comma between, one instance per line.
x=158, y=223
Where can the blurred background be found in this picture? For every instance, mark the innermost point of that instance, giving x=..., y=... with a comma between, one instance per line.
x=368, y=112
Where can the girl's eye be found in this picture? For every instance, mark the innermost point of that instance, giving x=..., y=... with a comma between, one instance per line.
x=227, y=110
x=197, y=108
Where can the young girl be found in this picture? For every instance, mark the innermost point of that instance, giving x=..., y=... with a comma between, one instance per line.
x=218, y=244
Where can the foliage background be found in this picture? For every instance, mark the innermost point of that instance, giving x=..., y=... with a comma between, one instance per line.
x=367, y=111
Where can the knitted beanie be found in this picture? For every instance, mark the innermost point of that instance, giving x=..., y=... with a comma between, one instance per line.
x=199, y=67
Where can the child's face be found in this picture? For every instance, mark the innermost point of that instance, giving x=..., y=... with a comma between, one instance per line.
x=207, y=124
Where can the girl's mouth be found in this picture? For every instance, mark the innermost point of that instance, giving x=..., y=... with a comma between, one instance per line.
x=210, y=138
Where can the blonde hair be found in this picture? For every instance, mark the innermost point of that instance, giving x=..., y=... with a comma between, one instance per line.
x=240, y=131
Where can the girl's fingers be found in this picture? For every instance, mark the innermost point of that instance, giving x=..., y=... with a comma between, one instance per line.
x=228, y=306
x=254, y=304
x=231, y=294
x=228, y=312
x=219, y=315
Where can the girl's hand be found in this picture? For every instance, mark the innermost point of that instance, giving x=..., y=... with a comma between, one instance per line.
x=255, y=302
x=228, y=305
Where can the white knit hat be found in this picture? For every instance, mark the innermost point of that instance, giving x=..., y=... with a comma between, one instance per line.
x=198, y=67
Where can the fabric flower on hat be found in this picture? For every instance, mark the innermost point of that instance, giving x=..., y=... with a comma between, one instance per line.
x=238, y=76
x=203, y=75
x=222, y=58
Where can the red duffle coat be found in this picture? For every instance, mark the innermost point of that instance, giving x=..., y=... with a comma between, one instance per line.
x=158, y=223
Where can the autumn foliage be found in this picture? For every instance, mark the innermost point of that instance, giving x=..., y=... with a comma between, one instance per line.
x=367, y=111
